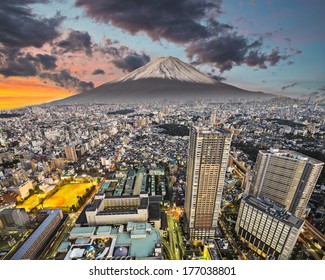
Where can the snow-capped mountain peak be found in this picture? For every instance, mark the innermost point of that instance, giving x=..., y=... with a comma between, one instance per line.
x=169, y=68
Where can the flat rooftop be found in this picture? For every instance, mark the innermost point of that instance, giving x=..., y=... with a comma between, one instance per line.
x=211, y=130
x=291, y=154
x=83, y=230
x=277, y=211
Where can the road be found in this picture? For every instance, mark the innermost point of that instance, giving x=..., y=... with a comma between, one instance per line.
x=173, y=237
x=310, y=248
x=231, y=240
x=168, y=250
x=315, y=233
x=175, y=245
x=243, y=168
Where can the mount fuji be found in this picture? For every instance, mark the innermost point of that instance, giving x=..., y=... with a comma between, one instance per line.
x=166, y=78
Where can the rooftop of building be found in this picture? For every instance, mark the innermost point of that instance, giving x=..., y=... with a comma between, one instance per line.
x=154, y=211
x=291, y=154
x=276, y=210
x=211, y=130
x=132, y=183
x=52, y=213
x=139, y=240
x=12, y=210
x=83, y=230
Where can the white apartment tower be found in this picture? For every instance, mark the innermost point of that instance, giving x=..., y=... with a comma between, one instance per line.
x=286, y=177
x=213, y=117
x=206, y=167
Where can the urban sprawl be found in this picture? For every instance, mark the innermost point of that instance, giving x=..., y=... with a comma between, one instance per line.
x=196, y=180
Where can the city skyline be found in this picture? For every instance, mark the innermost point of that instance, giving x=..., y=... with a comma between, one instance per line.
x=53, y=49
x=163, y=180
x=162, y=130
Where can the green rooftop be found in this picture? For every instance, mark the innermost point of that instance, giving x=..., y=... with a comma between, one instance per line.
x=81, y=230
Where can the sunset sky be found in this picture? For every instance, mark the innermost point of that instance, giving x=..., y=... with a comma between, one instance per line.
x=53, y=49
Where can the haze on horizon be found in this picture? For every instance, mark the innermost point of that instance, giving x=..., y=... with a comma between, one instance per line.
x=53, y=49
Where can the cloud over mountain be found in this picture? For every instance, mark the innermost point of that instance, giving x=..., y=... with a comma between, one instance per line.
x=176, y=21
x=64, y=79
x=76, y=41
x=132, y=61
x=193, y=24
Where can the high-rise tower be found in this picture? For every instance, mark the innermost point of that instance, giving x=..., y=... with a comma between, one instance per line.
x=213, y=117
x=286, y=177
x=71, y=154
x=206, y=167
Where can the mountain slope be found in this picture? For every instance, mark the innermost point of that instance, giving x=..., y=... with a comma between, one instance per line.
x=169, y=68
x=164, y=78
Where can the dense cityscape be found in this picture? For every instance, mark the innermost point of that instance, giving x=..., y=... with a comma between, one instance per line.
x=195, y=180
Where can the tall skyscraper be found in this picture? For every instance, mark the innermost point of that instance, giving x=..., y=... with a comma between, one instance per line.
x=70, y=152
x=213, y=117
x=267, y=228
x=206, y=167
x=286, y=177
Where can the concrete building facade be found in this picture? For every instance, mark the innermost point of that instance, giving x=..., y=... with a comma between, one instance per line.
x=71, y=154
x=286, y=177
x=14, y=217
x=267, y=228
x=207, y=163
x=23, y=188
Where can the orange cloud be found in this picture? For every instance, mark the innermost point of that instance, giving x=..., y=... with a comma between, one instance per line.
x=18, y=92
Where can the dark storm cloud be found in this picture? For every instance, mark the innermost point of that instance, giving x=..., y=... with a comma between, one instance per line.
x=109, y=41
x=275, y=57
x=20, y=66
x=64, y=79
x=48, y=61
x=15, y=63
x=225, y=52
x=132, y=61
x=256, y=59
x=289, y=86
x=123, y=57
x=232, y=49
x=177, y=21
x=98, y=72
x=117, y=51
x=75, y=42
x=218, y=78
x=192, y=23
x=20, y=27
